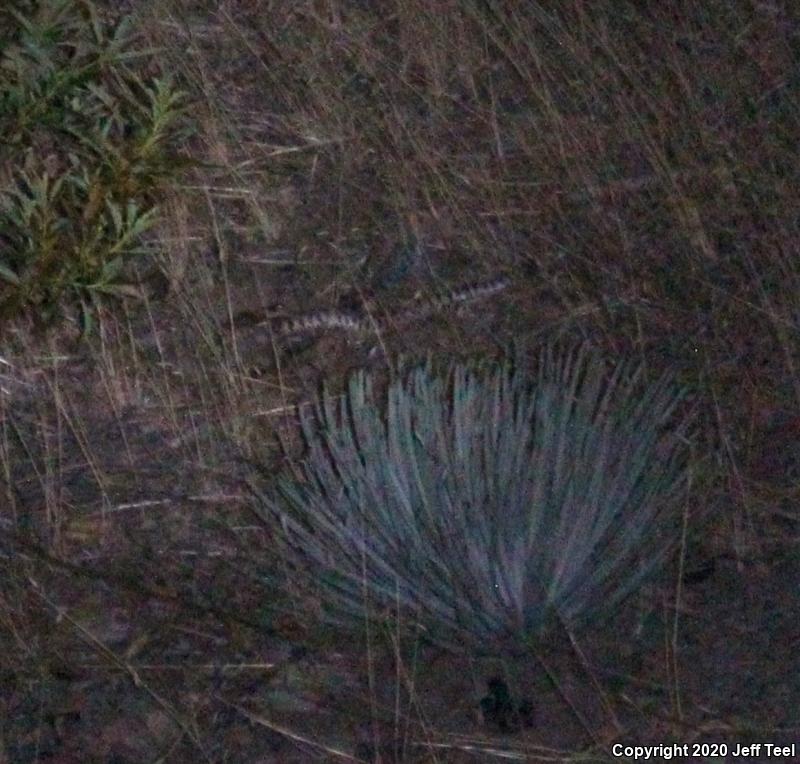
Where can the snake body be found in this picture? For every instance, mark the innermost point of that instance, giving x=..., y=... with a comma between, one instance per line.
x=367, y=322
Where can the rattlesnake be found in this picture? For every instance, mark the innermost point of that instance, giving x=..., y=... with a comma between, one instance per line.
x=366, y=321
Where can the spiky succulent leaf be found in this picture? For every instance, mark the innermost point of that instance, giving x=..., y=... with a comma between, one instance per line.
x=486, y=505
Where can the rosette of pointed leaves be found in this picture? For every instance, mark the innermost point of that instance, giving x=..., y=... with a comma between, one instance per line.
x=486, y=506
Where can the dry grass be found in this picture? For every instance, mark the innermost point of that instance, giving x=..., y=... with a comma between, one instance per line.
x=630, y=171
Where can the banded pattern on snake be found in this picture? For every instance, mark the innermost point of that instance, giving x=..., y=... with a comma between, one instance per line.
x=367, y=322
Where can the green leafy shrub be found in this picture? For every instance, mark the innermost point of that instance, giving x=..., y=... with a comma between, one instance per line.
x=88, y=142
x=484, y=506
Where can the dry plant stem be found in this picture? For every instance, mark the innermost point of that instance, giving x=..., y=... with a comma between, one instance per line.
x=579, y=715
x=397, y=674
x=286, y=732
x=62, y=614
x=370, y=662
x=407, y=677
x=5, y=461
x=672, y=657
x=128, y=583
x=110, y=380
x=375, y=327
x=230, y=668
x=588, y=669
x=737, y=521
x=223, y=262
x=82, y=437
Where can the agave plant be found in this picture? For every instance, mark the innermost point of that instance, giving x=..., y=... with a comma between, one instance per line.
x=485, y=506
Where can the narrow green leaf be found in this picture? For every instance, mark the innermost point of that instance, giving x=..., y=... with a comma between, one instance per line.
x=9, y=275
